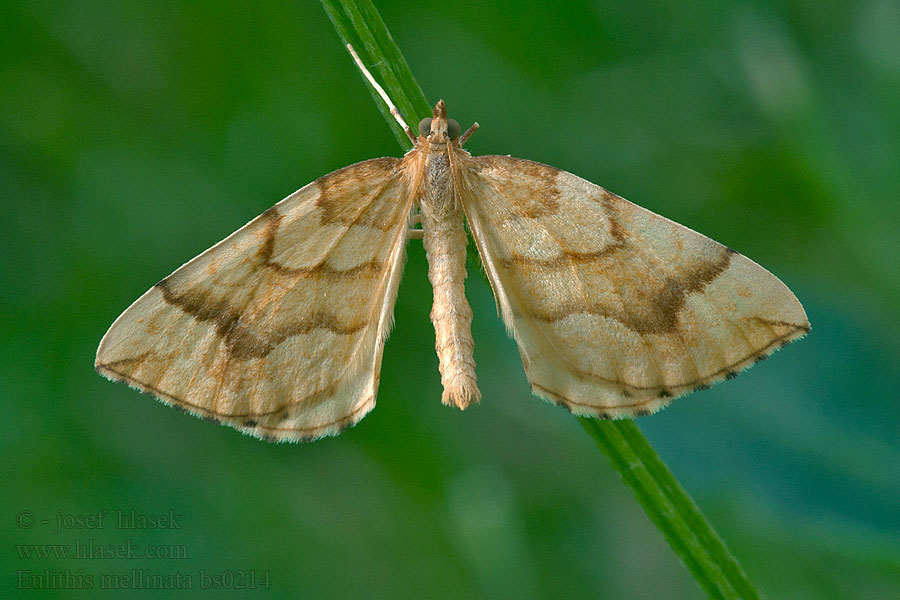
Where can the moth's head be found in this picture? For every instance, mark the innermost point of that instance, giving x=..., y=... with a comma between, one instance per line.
x=439, y=129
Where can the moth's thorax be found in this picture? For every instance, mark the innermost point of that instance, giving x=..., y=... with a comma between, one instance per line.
x=436, y=193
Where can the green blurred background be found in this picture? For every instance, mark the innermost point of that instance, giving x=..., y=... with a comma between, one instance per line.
x=133, y=135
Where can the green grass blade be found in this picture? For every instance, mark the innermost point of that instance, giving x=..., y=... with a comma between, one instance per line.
x=358, y=23
x=669, y=507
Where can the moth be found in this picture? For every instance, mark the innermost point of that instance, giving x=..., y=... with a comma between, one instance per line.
x=278, y=330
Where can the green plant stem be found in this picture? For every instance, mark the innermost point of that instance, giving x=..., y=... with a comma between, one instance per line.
x=669, y=507
x=358, y=23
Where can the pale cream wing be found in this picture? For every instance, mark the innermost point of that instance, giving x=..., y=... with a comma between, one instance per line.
x=616, y=310
x=277, y=330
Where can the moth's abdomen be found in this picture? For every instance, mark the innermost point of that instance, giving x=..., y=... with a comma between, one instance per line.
x=445, y=247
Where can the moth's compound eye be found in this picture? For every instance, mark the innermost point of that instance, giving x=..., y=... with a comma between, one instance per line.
x=425, y=127
x=452, y=129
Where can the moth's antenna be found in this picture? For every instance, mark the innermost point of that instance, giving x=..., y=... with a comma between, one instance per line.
x=383, y=94
x=469, y=132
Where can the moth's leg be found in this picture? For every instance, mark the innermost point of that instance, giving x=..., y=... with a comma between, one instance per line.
x=415, y=233
x=383, y=94
x=468, y=133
